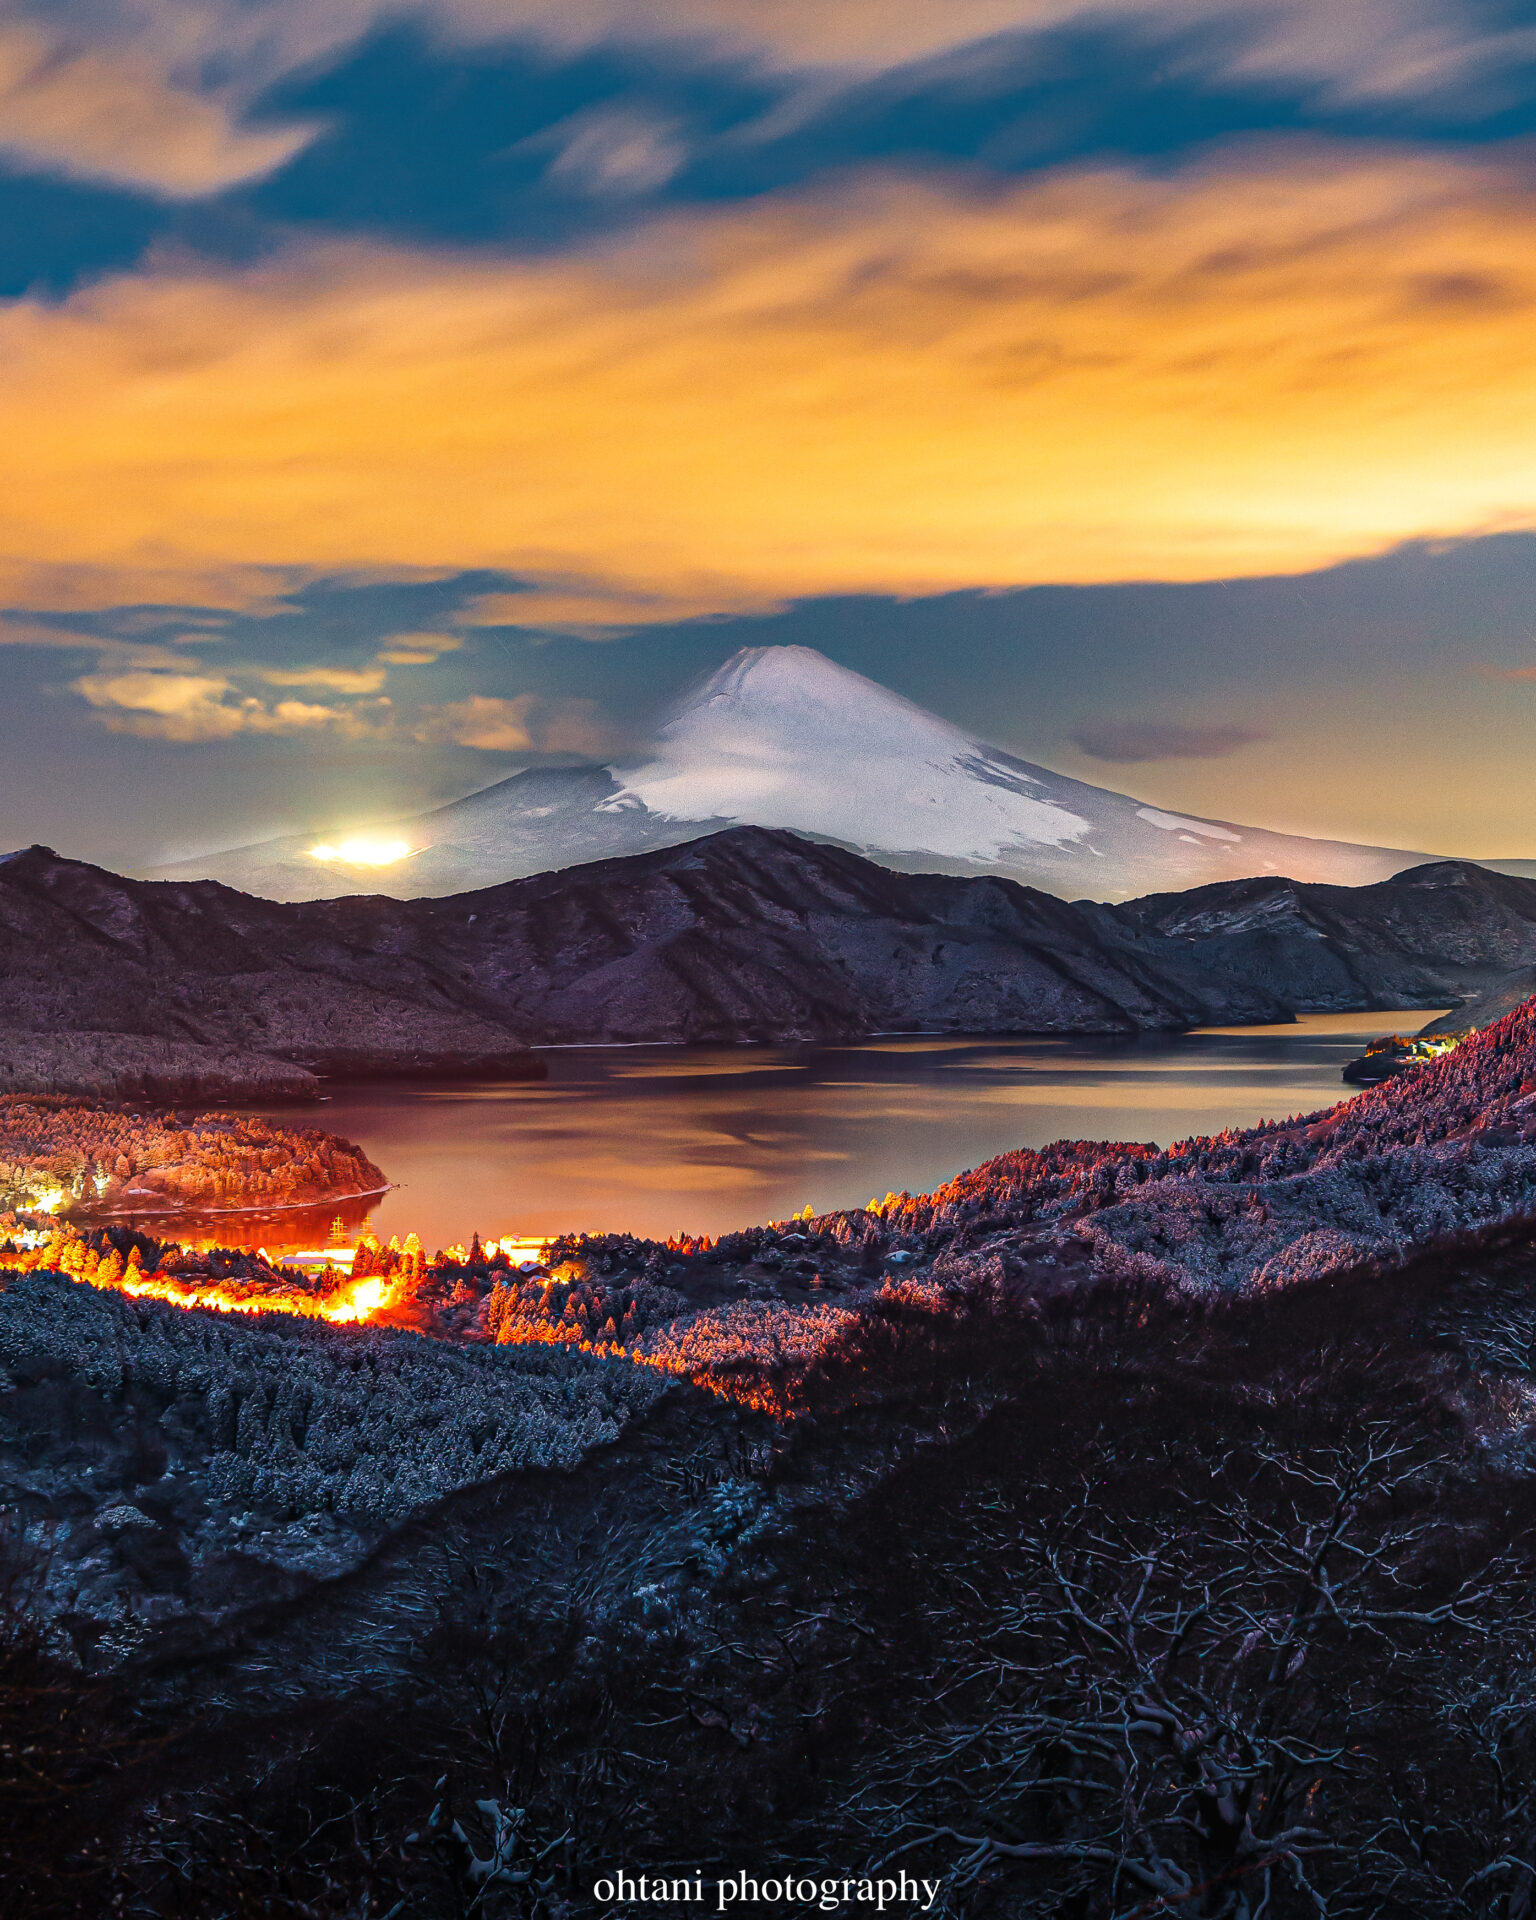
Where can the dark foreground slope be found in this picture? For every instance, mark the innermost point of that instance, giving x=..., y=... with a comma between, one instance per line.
x=1127, y=1607
x=1114, y=1531
x=803, y=1317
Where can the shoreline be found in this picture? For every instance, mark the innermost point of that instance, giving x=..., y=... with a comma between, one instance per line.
x=212, y=1213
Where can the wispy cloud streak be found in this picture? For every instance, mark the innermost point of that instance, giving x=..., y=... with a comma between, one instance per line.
x=161, y=94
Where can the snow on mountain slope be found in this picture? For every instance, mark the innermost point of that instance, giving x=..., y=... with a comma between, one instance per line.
x=783, y=737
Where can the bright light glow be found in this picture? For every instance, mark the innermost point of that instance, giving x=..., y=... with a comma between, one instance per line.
x=349, y=1305
x=360, y=1301
x=361, y=851
x=520, y=1252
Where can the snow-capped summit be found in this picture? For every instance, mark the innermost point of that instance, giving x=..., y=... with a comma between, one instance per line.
x=784, y=737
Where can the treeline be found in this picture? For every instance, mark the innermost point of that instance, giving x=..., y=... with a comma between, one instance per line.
x=603, y=1291
x=70, y=1155
x=1482, y=1094
x=294, y=1417
x=233, y=1278
x=1444, y=1157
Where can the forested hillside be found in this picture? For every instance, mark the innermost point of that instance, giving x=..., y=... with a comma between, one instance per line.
x=134, y=1418
x=1442, y=1159
x=1282, y=1549
x=57, y=1153
x=813, y=1542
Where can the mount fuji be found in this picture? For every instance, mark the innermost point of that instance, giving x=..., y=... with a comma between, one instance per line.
x=783, y=737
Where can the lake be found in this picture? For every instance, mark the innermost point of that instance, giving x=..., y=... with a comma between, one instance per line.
x=659, y=1140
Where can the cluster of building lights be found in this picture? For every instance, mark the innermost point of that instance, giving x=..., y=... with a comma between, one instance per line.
x=519, y=1253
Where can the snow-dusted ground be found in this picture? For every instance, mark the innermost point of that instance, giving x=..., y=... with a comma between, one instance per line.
x=784, y=737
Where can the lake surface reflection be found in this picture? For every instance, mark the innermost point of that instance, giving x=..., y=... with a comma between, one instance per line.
x=658, y=1140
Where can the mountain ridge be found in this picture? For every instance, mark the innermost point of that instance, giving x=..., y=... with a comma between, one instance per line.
x=782, y=737
x=748, y=935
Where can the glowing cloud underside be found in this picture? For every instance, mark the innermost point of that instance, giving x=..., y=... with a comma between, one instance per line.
x=1269, y=363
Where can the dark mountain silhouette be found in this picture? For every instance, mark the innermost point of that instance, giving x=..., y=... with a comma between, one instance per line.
x=748, y=935
x=240, y=1003
x=1445, y=931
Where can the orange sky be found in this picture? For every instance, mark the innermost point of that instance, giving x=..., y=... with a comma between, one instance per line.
x=1282, y=356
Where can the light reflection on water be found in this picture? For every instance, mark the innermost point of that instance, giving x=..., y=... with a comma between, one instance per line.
x=659, y=1140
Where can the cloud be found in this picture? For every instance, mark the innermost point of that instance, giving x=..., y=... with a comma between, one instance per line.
x=18, y=632
x=145, y=586
x=597, y=610
x=576, y=726
x=1370, y=48
x=524, y=724
x=110, y=112
x=157, y=95
x=419, y=649
x=337, y=679
x=494, y=724
x=887, y=384
x=612, y=152
x=164, y=706
x=297, y=716
x=194, y=706
x=1128, y=741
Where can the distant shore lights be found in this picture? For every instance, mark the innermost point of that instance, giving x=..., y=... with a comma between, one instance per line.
x=362, y=850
